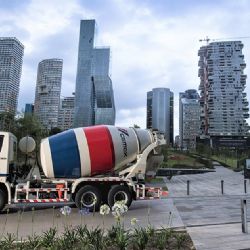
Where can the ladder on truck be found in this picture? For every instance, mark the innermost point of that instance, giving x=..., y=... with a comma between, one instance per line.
x=26, y=194
x=144, y=192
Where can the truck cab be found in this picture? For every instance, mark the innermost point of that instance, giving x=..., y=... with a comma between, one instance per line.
x=8, y=152
x=8, y=155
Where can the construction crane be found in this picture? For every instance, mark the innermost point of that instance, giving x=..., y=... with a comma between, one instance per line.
x=207, y=39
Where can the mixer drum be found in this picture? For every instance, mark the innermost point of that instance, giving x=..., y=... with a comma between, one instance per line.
x=90, y=151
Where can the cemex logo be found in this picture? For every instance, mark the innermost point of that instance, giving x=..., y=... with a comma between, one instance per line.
x=124, y=143
x=124, y=131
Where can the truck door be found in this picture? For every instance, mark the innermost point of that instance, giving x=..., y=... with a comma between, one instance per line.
x=3, y=159
x=1, y=141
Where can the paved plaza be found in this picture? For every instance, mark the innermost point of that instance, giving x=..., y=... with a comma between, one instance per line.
x=213, y=220
x=208, y=184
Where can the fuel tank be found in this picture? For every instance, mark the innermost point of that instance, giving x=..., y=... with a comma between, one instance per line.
x=91, y=151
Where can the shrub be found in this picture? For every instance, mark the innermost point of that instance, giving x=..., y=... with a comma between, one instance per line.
x=34, y=242
x=140, y=238
x=8, y=241
x=48, y=238
x=181, y=239
x=68, y=239
x=162, y=238
x=122, y=238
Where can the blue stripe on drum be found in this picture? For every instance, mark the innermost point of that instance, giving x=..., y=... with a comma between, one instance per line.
x=65, y=155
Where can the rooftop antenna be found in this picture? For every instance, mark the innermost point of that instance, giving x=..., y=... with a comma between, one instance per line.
x=207, y=39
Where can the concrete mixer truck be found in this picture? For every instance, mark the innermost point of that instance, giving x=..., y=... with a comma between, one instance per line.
x=89, y=166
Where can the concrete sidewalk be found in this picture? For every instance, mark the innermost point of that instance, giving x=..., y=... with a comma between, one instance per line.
x=222, y=237
x=212, y=219
x=159, y=213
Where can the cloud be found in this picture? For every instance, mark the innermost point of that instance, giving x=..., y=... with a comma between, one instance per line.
x=153, y=43
x=123, y=117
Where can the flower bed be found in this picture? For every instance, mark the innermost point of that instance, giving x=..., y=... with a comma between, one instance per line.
x=116, y=237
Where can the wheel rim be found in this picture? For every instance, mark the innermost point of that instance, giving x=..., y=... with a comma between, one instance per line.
x=88, y=199
x=121, y=196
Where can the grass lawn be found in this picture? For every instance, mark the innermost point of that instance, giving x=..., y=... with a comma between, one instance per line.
x=181, y=160
x=231, y=162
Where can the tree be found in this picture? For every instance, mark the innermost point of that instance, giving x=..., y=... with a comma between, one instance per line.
x=55, y=131
x=30, y=125
x=7, y=122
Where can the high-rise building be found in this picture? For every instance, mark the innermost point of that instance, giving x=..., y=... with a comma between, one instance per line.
x=224, y=107
x=29, y=109
x=160, y=111
x=11, y=60
x=94, y=98
x=66, y=113
x=48, y=90
x=189, y=118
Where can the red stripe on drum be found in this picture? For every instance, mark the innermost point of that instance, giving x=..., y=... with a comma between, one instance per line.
x=111, y=146
x=101, y=149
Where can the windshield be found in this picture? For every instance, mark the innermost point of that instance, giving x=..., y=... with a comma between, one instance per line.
x=1, y=141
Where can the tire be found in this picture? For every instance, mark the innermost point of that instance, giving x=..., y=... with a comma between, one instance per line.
x=2, y=199
x=118, y=193
x=85, y=197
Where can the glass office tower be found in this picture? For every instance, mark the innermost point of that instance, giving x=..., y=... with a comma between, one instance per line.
x=94, y=98
x=160, y=112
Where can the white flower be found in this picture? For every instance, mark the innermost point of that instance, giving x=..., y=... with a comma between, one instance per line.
x=119, y=209
x=66, y=210
x=104, y=209
x=133, y=221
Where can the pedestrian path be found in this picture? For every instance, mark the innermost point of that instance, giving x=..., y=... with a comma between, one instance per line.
x=208, y=184
x=196, y=211
x=219, y=237
x=213, y=219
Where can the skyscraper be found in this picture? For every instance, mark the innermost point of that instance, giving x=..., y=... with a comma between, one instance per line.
x=224, y=107
x=66, y=113
x=29, y=109
x=11, y=59
x=189, y=118
x=160, y=107
x=94, y=99
x=48, y=90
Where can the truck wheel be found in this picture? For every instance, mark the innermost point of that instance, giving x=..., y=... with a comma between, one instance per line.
x=88, y=197
x=119, y=193
x=2, y=199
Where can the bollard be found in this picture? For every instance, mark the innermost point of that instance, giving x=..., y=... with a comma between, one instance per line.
x=188, y=182
x=245, y=186
x=222, y=186
x=244, y=216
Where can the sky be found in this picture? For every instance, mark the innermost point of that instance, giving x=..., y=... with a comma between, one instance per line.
x=154, y=43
